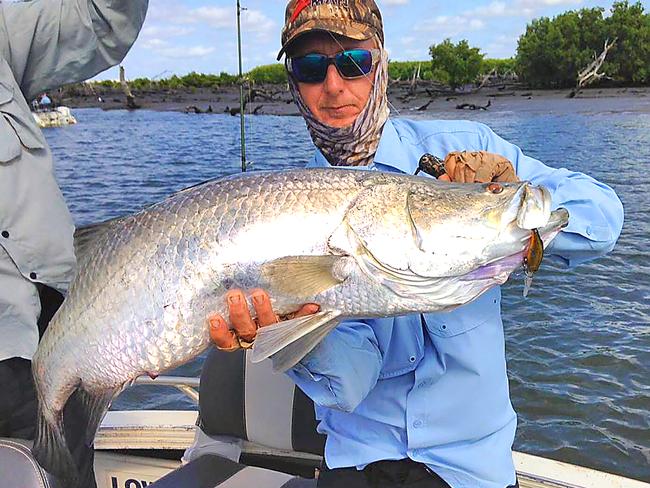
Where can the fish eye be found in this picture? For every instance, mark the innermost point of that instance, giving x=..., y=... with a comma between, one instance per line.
x=494, y=188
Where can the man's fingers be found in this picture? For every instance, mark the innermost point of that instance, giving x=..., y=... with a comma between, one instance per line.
x=221, y=335
x=240, y=316
x=459, y=173
x=307, y=309
x=263, y=308
x=444, y=177
x=506, y=173
x=450, y=166
x=485, y=173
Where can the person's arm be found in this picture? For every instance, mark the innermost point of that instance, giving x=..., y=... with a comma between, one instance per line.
x=50, y=43
x=340, y=372
x=595, y=212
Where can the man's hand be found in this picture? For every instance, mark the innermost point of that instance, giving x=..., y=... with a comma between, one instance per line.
x=478, y=167
x=244, y=327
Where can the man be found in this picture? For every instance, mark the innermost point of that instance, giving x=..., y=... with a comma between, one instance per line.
x=420, y=400
x=43, y=44
x=45, y=103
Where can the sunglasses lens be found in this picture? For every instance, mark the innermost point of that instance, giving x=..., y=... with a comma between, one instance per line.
x=311, y=68
x=354, y=63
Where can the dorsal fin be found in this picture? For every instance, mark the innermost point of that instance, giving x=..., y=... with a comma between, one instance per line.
x=86, y=236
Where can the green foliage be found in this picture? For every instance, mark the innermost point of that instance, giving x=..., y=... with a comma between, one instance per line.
x=404, y=70
x=455, y=64
x=630, y=57
x=552, y=51
x=502, y=66
x=270, y=73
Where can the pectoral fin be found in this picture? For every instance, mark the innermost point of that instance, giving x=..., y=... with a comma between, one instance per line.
x=304, y=276
x=288, y=342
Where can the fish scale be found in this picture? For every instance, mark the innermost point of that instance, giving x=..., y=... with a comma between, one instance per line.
x=345, y=239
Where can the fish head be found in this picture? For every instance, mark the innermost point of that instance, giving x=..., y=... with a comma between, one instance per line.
x=463, y=227
x=422, y=232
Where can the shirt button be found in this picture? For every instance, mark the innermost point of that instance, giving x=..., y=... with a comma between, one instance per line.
x=5, y=234
x=412, y=359
x=417, y=424
x=32, y=275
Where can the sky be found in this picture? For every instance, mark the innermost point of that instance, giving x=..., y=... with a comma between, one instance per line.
x=180, y=36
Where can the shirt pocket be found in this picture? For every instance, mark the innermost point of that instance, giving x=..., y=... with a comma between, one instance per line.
x=465, y=318
x=17, y=127
x=402, y=345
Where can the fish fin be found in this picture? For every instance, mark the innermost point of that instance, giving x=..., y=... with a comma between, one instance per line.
x=82, y=415
x=272, y=339
x=86, y=236
x=303, y=276
x=51, y=450
x=294, y=352
x=95, y=408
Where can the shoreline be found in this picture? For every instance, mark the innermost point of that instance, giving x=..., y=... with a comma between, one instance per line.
x=276, y=100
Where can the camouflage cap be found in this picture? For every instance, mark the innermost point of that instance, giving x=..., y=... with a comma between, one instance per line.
x=356, y=19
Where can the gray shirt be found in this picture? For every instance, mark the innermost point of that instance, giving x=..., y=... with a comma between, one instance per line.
x=43, y=45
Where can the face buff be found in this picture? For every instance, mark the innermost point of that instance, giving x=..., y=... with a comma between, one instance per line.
x=356, y=144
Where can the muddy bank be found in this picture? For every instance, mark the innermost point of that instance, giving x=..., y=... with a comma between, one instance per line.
x=427, y=98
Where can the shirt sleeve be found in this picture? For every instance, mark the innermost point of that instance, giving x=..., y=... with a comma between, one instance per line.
x=54, y=42
x=595, y=212
x=340, y=372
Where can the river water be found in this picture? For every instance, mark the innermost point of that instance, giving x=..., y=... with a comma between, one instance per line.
x=578, y=348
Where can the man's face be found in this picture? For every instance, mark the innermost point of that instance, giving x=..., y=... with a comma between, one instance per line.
x=337, y=101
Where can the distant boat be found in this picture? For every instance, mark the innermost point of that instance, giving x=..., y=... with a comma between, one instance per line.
x=57, y=117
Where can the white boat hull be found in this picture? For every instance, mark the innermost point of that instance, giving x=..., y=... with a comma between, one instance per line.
x=157, y=431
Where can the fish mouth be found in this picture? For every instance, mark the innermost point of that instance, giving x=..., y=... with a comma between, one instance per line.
x=499, y=269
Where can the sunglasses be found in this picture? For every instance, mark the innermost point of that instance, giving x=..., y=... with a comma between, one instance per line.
x=312, y=68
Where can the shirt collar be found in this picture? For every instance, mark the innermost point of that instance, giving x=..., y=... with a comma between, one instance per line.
x=389, y=155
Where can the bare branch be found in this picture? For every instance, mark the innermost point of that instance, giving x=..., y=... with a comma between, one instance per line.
x=590, y=74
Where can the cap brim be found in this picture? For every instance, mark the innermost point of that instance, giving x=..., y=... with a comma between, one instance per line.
x=351, y=29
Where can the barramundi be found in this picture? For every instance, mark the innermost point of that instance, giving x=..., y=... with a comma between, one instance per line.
x=358, y=243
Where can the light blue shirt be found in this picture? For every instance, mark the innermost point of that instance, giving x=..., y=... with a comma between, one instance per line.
x=434, y=387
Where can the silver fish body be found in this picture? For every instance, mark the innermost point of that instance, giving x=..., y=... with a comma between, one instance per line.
x=359, y=243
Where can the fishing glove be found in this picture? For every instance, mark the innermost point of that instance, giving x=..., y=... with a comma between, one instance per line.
x=479, y=167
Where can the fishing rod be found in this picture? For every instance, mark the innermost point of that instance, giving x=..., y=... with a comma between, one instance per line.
x=241, y=92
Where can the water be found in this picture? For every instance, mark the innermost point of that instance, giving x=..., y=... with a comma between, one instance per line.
x=578, y=349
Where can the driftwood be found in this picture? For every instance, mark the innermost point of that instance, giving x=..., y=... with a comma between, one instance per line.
x=472, y=106
x=486, y=78
x=425, y=106
x=414, y=82
x=590, y=74
x=193, y=109
x=130, y=99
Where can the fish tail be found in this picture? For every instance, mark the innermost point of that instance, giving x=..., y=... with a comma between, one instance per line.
x=65, y=447
x=51, y=449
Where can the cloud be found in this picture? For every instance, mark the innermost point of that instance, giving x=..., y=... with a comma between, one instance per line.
x=495, y=9
x=219, y=17
x=450, y=25
x=502, y=46
x=392, y=3
x=518, y=8
x=166, y=49
x=256, y=22
x=164, y=31
x=185, y=52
